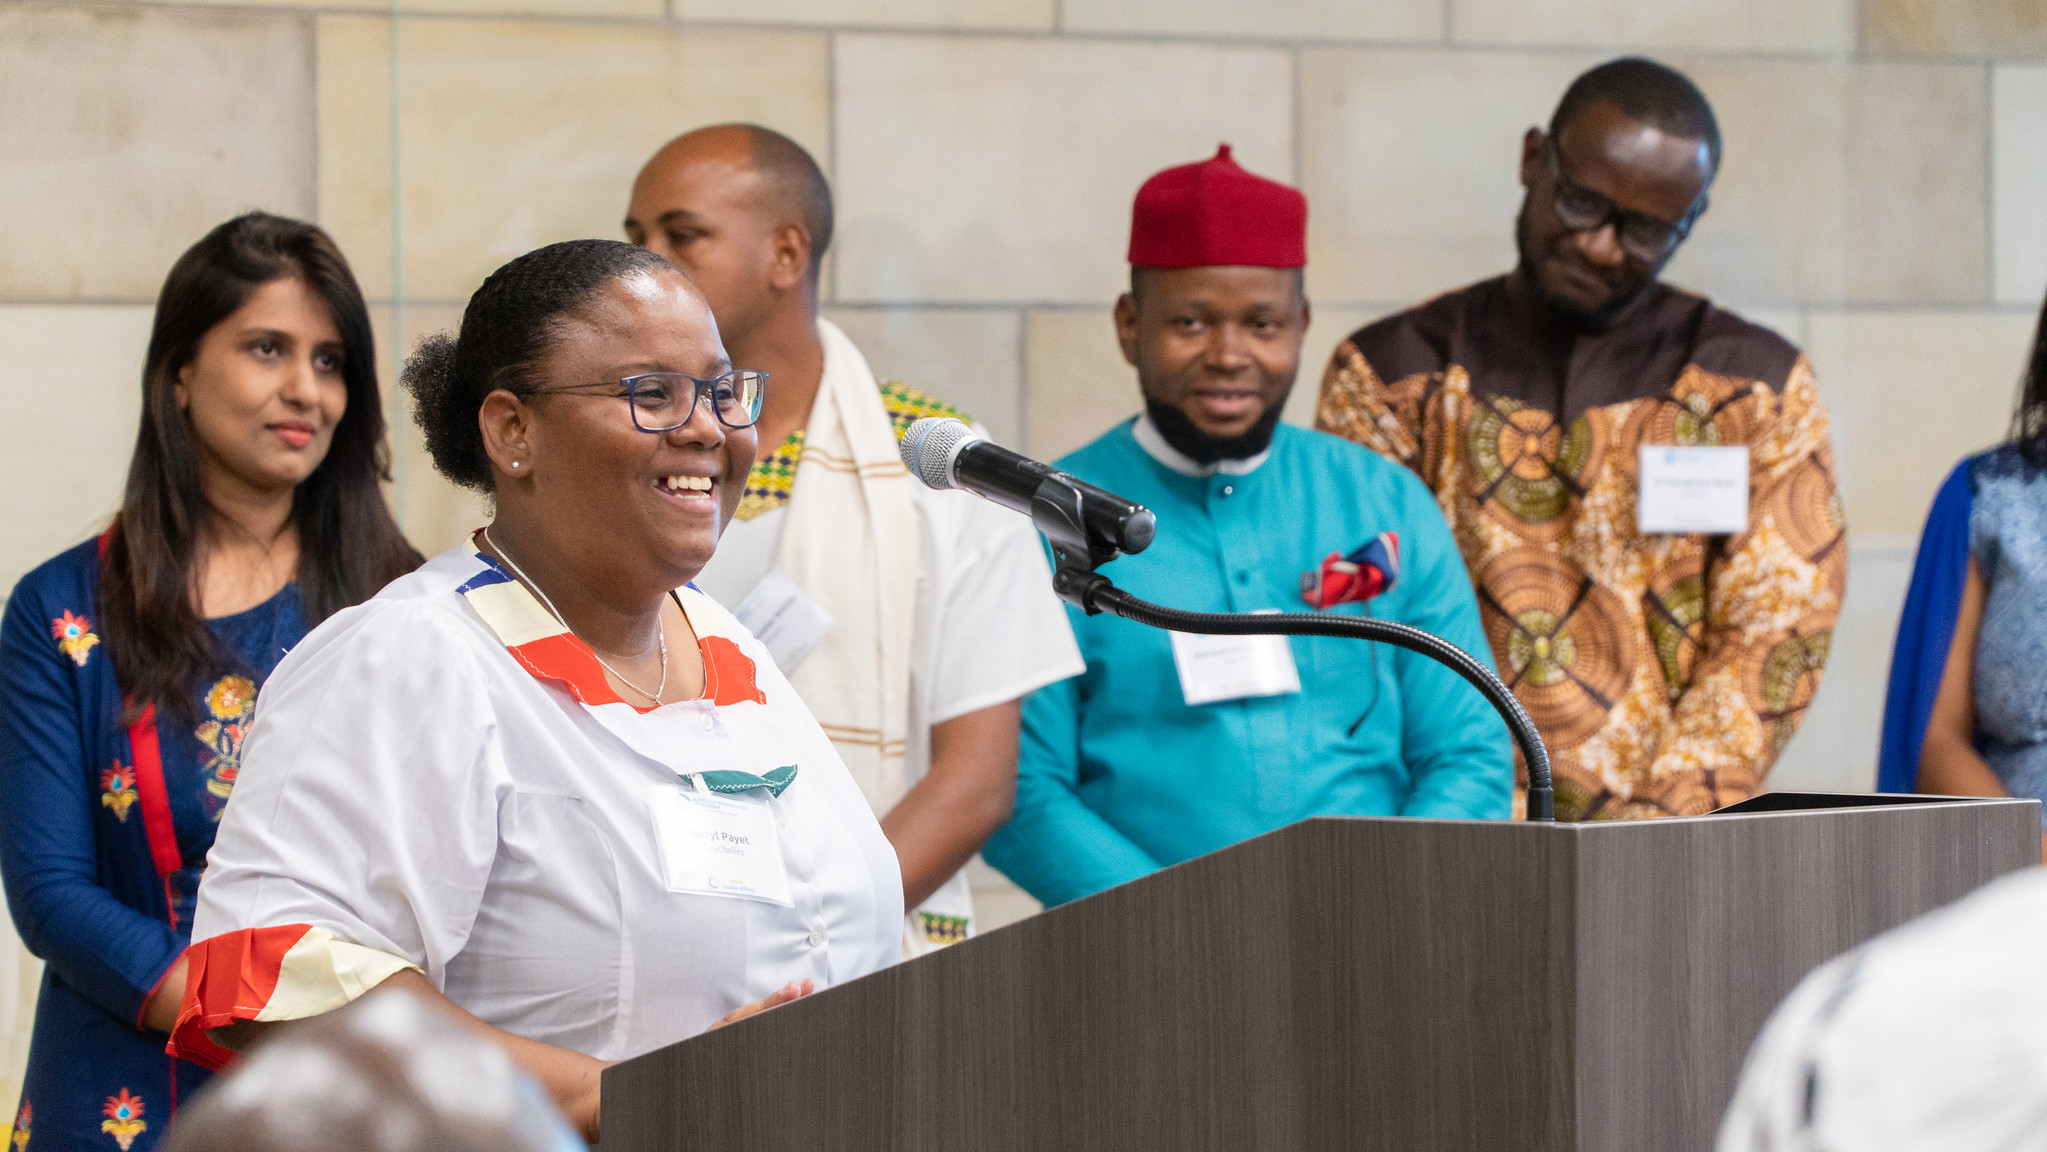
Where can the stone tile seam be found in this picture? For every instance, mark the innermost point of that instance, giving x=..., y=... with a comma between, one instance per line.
x=1747, y=307
x=831, y=143
x=1246, y=40
x=1989, y=181
x=1816, y=304
x=1296, y=66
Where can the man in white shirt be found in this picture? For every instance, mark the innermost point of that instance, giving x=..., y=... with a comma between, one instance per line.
x=1931, y=1036
x=912, y=622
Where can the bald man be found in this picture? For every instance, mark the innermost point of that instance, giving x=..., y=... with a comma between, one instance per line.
x=912, y=622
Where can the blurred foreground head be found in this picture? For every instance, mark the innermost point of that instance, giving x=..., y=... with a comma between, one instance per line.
x=388, y=1073
x=1931, y=1037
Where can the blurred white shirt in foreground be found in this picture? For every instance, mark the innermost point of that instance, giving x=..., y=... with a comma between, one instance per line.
x=1932, y=1036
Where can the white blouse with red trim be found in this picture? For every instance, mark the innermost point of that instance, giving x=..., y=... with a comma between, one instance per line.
x=442, y=779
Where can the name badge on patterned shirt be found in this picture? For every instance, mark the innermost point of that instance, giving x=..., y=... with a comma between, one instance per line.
x=1692, y=491
x=719, y=844
x=1216, y=668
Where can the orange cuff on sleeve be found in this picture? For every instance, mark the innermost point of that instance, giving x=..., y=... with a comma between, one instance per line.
x=288, y=972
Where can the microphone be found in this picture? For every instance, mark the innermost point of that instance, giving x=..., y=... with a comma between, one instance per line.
x=948, y=453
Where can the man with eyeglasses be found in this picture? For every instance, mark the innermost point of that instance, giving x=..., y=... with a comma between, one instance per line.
x=1641, y=482
x=912, y=622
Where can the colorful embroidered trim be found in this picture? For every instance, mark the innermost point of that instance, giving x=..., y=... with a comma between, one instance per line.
x=287, y=972
x=232, y=700
x=1345, y=579
x=943, y=929
x=551, y=652
x=124, y=1119
x=771, y=479
x=906, y=406
x=19, y=1137
x=117, y=790
x=74, y=637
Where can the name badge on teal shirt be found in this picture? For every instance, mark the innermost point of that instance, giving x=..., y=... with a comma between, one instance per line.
x=1217, y=668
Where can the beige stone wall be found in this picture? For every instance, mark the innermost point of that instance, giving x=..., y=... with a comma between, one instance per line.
x=1884, y=200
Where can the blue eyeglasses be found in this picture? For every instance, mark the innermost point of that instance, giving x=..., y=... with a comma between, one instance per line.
x=664, y=400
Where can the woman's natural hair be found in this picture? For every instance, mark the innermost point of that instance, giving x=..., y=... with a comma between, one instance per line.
x=2029, y=423
x=509, y=327
x=349, y=546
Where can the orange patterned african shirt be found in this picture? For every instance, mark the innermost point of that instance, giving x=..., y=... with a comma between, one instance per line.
x=1666, y=672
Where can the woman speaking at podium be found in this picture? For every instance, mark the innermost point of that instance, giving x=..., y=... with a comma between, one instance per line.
x=541, y=776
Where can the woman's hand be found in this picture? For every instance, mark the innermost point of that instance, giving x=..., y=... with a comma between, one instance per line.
x=160, y=1011
x=794, y=989
x=578, y=1091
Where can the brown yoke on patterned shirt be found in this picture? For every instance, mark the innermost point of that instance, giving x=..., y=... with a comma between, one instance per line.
x=1665, y=672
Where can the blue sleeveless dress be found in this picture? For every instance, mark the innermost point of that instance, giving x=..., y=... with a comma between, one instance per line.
x=104, y=829
x=1993, y=509
x=2008, y=539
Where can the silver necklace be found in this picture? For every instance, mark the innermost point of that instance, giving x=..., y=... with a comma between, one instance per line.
x=655, y=695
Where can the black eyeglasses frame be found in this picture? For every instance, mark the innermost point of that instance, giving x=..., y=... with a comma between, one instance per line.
x=1672, y=233
x=699, y=387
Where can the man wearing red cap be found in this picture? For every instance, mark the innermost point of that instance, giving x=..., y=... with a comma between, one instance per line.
x=1640, y=481
x=1170, y=746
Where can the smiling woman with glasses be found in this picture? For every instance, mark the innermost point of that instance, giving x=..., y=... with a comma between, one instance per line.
x=544, y=777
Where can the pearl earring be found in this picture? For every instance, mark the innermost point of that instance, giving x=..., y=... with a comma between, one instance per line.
x=515, y=463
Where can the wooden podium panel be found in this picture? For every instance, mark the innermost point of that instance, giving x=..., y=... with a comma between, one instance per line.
x=1407, y=985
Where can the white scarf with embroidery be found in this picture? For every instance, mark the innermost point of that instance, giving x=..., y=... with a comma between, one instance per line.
x=851, y=543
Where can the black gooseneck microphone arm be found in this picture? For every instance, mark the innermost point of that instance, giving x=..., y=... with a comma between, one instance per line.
x=1056, y=509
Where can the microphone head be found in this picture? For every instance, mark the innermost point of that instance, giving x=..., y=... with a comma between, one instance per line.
x=931, y=445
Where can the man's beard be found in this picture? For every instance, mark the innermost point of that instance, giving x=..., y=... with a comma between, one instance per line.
x=1589, y=320
x=1180, y=432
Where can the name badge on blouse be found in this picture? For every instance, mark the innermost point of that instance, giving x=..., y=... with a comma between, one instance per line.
x=786, y=620
x=719, y=844
x=1702, y=491
x=1216, y=668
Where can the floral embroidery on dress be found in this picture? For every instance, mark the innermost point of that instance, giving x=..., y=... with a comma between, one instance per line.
x=232, y=702
x=117, y=790
x=74, y=636
x=124, y=1119
x=20, y=1136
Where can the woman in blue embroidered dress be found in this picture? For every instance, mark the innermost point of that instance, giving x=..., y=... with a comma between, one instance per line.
x=1967, y=709
x=129, y=664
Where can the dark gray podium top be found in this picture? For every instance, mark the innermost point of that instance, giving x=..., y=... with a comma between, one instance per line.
x=1408, y=985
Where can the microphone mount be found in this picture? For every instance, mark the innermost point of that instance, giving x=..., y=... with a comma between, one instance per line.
x=1077, y=551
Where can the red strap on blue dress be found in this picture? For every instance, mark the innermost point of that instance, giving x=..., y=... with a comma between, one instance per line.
x=154, y=797
x=151, y=792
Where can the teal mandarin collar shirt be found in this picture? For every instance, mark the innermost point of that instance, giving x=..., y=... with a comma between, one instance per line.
x=1118, y=776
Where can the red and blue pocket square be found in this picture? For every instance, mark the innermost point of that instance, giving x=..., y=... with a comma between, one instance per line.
x=1360, y=575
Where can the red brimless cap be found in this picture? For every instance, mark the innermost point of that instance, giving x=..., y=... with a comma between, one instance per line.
x=1214, y=212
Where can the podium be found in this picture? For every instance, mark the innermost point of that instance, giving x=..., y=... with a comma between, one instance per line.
x=1406, y=985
